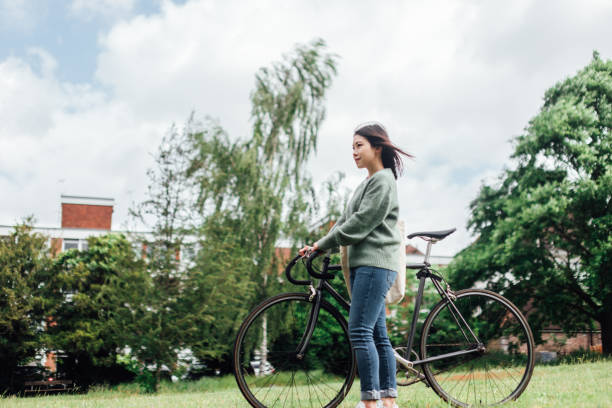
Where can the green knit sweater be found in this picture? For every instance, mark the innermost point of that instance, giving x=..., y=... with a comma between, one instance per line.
x=368, y=224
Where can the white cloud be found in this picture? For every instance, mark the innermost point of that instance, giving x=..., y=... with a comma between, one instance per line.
x=451, y=81
x=27, y=100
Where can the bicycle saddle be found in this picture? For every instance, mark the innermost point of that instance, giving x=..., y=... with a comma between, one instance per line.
x=439, y=235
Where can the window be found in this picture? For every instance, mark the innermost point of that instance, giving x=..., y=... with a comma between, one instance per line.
x=73, y=243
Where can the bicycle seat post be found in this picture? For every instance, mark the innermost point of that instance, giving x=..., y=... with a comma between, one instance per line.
x=430, y=242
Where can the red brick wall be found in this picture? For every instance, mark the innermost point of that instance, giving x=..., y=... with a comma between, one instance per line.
x=282, y=256
x=562, y=344
x=56, y=246
x=87, y=216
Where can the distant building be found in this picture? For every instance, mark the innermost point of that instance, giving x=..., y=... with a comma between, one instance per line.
x=81, y=218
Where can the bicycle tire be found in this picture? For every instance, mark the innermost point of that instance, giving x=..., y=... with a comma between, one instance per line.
x=324, y=375
x=498, y=373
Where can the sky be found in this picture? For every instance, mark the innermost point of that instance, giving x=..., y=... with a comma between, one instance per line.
x=89, y=87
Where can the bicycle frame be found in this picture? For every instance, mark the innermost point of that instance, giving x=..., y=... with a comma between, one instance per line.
x=423, y=273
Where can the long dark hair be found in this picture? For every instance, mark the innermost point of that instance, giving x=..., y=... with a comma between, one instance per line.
x=390, y=155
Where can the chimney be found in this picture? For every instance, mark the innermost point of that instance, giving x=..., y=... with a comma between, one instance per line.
x=87, y=212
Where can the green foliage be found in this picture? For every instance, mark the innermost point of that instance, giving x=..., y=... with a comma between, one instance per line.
x=544, y=229
x=142, y=376
x=287, y=109
x=24, y=267
x=217, y=294
x=160, y=324
x=91, y=295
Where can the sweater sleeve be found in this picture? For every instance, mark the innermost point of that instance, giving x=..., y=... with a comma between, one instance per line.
x=373, y=209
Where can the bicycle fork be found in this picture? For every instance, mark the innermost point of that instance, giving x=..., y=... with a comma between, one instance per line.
x=315, y=298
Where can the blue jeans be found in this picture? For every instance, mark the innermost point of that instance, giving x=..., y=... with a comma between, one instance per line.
x=368, y=331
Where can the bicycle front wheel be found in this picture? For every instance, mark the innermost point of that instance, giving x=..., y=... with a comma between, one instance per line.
x=501, y=366
x=266, y=365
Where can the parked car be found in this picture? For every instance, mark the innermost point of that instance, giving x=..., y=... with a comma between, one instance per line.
x=258, y=369
x=198, y=370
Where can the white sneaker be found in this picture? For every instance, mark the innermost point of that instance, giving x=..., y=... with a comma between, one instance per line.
x=379, y=404
x=362, y=405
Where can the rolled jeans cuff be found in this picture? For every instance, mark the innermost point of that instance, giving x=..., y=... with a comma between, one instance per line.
x=388, y=393
x=370, y=395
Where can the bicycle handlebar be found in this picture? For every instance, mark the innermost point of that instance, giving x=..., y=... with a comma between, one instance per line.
x=312, y=272
x=310, y=269
x=288, y=273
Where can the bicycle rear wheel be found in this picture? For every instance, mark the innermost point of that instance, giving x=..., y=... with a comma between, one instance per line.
x=500, y=371
x=266, y=366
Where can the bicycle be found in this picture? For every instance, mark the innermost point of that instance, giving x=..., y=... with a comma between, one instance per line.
x=476, y=347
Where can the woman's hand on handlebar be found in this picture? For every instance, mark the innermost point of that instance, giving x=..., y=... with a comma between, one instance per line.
x=307, y=250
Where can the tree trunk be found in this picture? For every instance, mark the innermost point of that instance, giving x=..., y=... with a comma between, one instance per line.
x=157, y=378
x=264, y=337
x=606, y=326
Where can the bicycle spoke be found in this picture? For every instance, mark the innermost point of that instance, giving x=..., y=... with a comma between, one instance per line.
x=501, y=383
x=323, y=384
x=286, y=393
x=310, y=395
x=318, y=386
x=474, y=384
x=463, y=384
x=266, y=383
x=486, y=381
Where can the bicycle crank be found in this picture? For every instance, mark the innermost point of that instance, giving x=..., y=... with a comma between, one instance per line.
x=405, y=363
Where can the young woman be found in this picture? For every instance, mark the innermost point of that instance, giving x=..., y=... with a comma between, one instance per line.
x=368, y=228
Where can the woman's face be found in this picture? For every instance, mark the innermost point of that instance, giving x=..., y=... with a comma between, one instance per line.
x=363, y=152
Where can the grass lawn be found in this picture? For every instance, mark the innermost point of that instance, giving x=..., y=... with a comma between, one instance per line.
x=577, y=385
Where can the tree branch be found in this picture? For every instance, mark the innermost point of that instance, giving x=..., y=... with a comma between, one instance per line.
x=574, y=286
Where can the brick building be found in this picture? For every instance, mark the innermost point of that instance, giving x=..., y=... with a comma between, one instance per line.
x=81, y=217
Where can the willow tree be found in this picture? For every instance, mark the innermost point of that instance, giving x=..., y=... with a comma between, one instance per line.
x=262, y=181
x=256, y=191
x=287, y=111
x=544, y=229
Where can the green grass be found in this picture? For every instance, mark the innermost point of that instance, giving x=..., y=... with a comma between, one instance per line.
x=576, y=385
